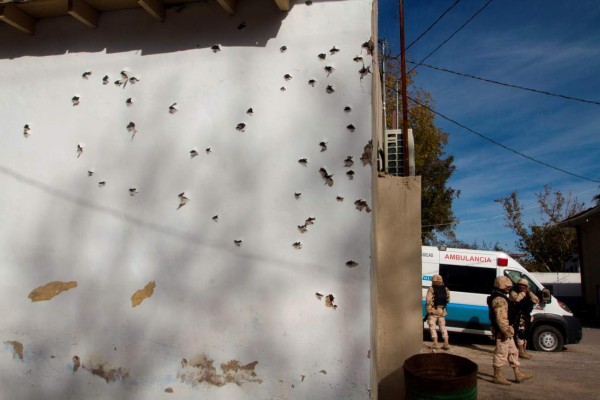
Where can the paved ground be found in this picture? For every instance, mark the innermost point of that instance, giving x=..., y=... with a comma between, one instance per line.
x=571, y=374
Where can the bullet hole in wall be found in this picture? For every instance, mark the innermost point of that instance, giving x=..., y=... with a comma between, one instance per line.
x=215, y=48
x=303, y=161
x=297, y=195
x=348, y=161
x=283, y=49
x=105, y=80
x=350, y=174
x=351, y=264
x=287, y=77
x=362, y=205
x=368, y=45
x=183, y=199
x=80, y=147
x=297, y=245
x=364, y=71
x=237, y=242
x=193, y=152
x=334, y=50
x=75, y=100
x=329, y=303
x=326, y=176
x=329, y=69
x=323, y=146
x=241, y=26
x=26, y=130
x=86, y=74
x=312, y=82
x=250, y=111
x=322, y=56
x=347, y=109
x=172, y=108
x=240, y=127
x=133, y=191
x=283, y=89
x=329, y=89
x=129, y=102
x=358, y=59
x=351, y=128
x=339, y=198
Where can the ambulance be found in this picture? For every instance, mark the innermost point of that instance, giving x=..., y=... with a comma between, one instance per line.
x=470, y=275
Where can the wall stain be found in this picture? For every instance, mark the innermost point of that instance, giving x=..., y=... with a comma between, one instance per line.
x=108, y=374
x=49, y=290
x=143, y=294
x=17, y=348
x=169, y=390
x=201, y=369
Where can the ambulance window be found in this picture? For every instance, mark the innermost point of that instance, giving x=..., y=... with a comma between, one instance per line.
x=513, y=275
x=516, y=275
x=460, y=278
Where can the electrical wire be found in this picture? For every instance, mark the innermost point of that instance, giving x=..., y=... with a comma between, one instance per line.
x=500, y=144
x=507, y=84
x=432, y=25
x=451, y=36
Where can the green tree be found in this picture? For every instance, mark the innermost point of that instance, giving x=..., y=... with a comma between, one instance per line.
x=431, y=161
x=546, y=245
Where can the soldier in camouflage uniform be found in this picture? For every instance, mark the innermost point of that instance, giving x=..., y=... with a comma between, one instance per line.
x=438, y=296
x=501, y=311
x=524, y=300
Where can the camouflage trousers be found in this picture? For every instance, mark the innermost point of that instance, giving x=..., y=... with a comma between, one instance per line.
x=506, y=350
x=432, y=320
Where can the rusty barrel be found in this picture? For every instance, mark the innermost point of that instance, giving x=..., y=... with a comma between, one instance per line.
x=440, y=376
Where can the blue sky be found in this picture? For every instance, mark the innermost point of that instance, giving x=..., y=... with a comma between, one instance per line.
x=548, y=45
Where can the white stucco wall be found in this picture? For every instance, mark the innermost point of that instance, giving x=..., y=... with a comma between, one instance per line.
x=252, y=303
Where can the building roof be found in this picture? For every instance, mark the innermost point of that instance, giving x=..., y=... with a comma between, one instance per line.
x=23, y=14
x=582, y=217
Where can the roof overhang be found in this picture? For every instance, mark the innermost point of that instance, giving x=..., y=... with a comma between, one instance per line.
x=582, y=217
x=23, y=14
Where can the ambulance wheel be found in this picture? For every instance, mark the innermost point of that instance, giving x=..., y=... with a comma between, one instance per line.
x=547, y=338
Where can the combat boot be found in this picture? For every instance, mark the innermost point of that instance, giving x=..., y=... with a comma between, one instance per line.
x=521, y=376
x=435, y=344
x=446, y=345
x=498, y=378
x=522, y=352
x=525, y=349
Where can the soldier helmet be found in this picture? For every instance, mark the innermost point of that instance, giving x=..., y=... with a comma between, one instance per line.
x=437, y=279
x=523, y=281
x=503, y=282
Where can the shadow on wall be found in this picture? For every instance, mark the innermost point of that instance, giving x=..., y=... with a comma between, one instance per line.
x=96, y=244
x=199, y=26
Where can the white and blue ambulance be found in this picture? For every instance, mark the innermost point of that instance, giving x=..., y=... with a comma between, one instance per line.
x=470, y=274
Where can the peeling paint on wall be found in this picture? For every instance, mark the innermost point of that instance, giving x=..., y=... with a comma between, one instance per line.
x=107, y=372
x=49, y=290
x=17, y=348
x=143, y=294
x=201, y=369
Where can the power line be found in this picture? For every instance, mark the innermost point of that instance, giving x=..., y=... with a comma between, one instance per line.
x=433, y=24
x=500, y=144
x=451, y=36
x=508, y=84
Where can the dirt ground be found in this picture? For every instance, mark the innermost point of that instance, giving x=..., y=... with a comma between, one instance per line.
x=573, y=373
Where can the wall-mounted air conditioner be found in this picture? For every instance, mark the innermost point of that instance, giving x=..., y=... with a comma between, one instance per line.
x=394, y=152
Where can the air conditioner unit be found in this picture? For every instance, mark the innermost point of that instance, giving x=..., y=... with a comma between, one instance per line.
x=394, y=152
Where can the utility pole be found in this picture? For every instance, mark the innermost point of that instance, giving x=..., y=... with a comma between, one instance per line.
x=404, y=98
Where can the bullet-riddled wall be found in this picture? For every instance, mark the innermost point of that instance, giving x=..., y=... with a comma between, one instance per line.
x=185, y=206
